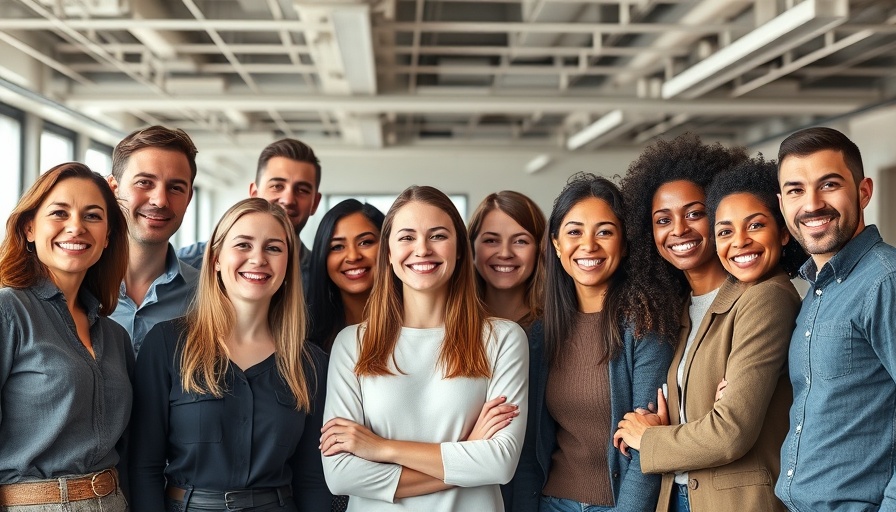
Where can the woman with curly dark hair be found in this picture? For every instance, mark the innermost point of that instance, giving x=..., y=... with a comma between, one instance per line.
x=591, y=362
x=722, y=453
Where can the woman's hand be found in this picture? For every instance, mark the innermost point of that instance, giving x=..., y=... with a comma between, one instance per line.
x=720, y=389
x=345, y=436
x=634, y=424
x=494, y=416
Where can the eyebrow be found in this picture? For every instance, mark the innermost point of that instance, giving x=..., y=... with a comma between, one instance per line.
x=278, y=179
x=578, y=223
x=362, y=235
x=430, y=230
x=748, y=217
x=492, y=233
x=155, y=177
x=66, y=205
x=686, y=206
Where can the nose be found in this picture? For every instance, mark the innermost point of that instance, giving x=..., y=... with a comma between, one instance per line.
x=814, y=201
x=589, y=243
x=287, y=198
x=258, y=257
x=680, y=226
x=422, y=247
x=74, y=226
x=159, y=197
x=352, y=254
x=505, y=251
x=741, y=239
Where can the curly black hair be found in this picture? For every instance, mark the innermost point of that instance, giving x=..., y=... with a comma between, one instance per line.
x=658, y=288
x=759, y=178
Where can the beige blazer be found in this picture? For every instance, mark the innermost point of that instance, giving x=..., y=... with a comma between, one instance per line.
x=730, y=448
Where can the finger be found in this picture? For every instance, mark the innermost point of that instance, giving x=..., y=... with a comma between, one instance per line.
x=661, y=407
x=497, y=428
x=493, y=403
x=623, y=448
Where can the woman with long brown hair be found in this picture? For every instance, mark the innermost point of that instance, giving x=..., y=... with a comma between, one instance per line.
x=406, y=388
x=64, y=365
x=229, y=398
x=506, y=233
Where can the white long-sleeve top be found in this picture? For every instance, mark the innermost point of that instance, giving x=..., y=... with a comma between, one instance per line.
x=419, y=404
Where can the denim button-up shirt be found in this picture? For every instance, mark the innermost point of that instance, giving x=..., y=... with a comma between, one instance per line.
x=61, y=411
x=840, y=451
x=168, y=297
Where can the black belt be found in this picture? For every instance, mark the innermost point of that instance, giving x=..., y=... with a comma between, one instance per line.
x=231, y=500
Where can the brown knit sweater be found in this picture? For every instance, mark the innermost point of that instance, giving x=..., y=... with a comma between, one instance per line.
x=578, y=398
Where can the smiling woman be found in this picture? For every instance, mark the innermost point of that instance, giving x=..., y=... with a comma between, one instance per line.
x=409, y=424
x=64, y=366
x=233, y=384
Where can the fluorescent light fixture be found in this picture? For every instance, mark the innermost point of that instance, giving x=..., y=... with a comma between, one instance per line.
x=788, y=30
x=538, y=163
x=595, y=130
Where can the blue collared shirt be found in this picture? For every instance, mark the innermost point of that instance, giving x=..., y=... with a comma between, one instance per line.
x=840, y=451
x=168, y=297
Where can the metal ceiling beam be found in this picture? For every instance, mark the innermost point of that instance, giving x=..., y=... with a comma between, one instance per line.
x=750, y=107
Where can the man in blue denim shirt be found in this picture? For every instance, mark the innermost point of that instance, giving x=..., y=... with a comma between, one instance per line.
x=152, y=177
x=840, y=451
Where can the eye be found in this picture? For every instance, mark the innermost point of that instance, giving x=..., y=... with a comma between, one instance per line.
x=438, y=236
x=662, y=221
x=144, y=183
x=793, y=191
x=489, y=241
x=337, y=247
x=93, y=217
x=521, y=241
x=756, y=225
x=574, y=232
x=605, y=232
x=722, y=233
x=179, y=189
x=275, y=249
x=243, y=245
x=58, y=213
x=695, y=214
x=276, y=187
x=367, y=242
x=828, y=185
x=406, y=238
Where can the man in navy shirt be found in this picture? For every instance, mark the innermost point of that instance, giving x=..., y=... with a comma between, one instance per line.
x=840, y=451
x=152, y=176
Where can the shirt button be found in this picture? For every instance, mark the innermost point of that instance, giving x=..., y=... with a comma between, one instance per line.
x=818, y=292
x=692, y=484
x=807, y=379
x=799, y=428
x=808, y=333
x=789, y=473
x=839, y=280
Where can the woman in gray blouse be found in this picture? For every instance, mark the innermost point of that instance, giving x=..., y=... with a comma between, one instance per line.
x=64, y=366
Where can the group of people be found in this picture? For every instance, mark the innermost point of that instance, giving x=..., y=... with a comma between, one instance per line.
x=641, y=348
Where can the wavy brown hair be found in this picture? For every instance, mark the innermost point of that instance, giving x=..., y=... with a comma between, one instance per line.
x=526, y=213
x=657, y=289
x=463, y=351
x=21, y=268
x=211, y=316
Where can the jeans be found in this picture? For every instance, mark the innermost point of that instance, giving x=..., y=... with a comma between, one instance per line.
x=114, y=502
x=552, y=504
x=679, y=501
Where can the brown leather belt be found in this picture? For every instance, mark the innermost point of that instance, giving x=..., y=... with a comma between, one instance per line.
x=47, y=492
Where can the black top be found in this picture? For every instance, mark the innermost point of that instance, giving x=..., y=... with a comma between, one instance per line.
x=252, y=437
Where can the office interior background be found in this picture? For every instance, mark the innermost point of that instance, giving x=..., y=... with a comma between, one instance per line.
x=470, y=96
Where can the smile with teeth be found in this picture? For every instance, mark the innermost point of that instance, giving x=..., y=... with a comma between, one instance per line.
x=255, y=276
x=745, y=258
x=423, y=267
x=355, y=272
x=71, y=246
x=684, y=247
x=814, y=223
x=589, y=262
x=503, y=269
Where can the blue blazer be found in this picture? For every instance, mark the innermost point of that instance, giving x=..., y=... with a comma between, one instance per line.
x=635, y=374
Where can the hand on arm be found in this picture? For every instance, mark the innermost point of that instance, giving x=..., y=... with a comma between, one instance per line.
x=633, y=424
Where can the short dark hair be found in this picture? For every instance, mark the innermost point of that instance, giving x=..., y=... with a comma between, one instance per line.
x=288, y=148
x=756, y=177
x=153, y=137
x=325, y=308
x=819, y=138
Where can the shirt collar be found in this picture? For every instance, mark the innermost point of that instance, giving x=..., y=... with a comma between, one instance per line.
x=846, y=258
x=46, y=290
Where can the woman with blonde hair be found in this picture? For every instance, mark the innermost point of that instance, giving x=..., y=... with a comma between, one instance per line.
x=231, y=395
x=406, y=388
x=64, y=365
x=506, y=233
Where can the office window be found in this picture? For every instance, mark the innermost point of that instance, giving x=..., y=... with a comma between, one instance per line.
x=11, y=149
x=57, y=145
x=99, y=158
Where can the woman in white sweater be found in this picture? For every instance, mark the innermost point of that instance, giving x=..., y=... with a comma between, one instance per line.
x=405, y=389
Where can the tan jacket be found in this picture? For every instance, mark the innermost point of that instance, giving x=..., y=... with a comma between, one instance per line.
x=731, y=448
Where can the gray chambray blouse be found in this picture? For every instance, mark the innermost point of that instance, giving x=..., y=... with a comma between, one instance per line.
x=62, y=412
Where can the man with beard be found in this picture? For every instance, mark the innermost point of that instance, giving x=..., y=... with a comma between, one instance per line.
x=152, y=176
x=288, y=174
x=840, y=451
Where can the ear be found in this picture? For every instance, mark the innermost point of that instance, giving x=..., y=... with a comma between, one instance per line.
x=217, y=266
x=556, y=246
x=785, y=236
x=866, y=188
x=253, y=190
x=29, y=231
x=317, y=197
x=113, y=183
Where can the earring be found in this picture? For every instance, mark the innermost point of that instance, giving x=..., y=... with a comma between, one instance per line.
x=30, y=247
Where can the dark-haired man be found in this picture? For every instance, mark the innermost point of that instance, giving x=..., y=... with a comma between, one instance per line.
x=840, y=451
x=288, y=174
x=152, y=176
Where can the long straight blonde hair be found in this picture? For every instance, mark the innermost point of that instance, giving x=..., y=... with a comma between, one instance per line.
x=463, y=351
x=211, y=316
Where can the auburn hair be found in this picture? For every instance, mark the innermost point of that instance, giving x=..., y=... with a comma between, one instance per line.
x=20, y=266
x=463, y=352
x=526, y=213
x=211, y=316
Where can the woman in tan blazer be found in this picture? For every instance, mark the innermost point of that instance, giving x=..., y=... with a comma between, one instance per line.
x=720, y=455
